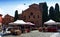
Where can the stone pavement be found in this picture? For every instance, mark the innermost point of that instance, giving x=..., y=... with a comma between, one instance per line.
x=35, y=33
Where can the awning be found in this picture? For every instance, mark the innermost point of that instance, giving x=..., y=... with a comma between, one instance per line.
x=20, y=22
x=50, y=22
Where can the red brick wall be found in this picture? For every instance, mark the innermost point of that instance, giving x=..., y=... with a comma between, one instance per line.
x=0, y=19
x=33, y=14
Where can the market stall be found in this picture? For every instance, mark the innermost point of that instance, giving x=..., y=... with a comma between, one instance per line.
x=21, y=25
x=51, y=26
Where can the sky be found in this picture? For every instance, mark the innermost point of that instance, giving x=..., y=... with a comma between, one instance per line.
x=9, y=6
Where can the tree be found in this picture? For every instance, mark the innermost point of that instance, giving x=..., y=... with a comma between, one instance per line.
x=44, y=12
x=57, y=12
x=57, y=8
x=44, y=8
x=52, y=13
x=16, y=15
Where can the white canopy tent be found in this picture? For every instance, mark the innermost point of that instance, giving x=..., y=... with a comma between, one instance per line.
x=20, y=22
x=30, y=23
x=50, y=22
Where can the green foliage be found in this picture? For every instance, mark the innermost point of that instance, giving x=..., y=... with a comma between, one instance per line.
x=45, y=13
x=16, y=15
x=57, y=12
x=57, y=8
x=52, y=13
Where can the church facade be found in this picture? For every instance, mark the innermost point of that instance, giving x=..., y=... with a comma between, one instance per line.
x=33, y=14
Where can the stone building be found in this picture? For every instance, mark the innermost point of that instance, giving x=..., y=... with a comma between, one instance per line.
x=0, y=18
x=0, y=23
x=7, y=19
x=33, y=14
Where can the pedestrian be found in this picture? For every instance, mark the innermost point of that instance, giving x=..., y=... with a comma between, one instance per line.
x=4, y=29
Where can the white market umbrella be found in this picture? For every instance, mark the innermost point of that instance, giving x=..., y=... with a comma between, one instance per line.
x=50, y=22
x=30, y=23
x=20, y=22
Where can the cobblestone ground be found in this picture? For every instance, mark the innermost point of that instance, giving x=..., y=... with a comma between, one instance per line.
x=33, y=34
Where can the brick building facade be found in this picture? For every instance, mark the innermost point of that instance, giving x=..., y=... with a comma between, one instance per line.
x=7, y=19
x=0, y=18
x=33, y=14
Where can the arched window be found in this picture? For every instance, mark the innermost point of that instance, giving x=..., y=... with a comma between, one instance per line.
x=31, y=13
